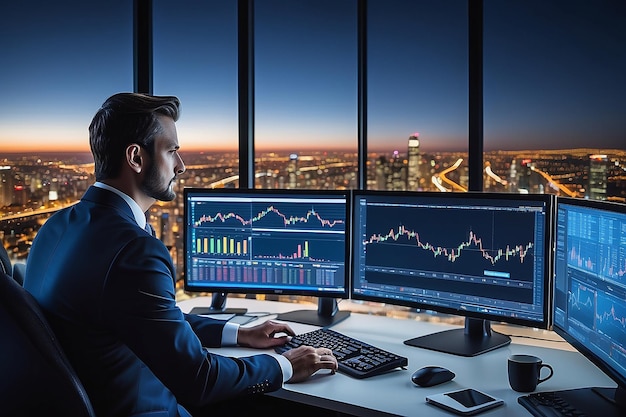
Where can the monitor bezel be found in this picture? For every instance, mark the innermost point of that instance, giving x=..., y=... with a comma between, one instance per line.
x=612, y=207
x=262, y=192
x=546, y=199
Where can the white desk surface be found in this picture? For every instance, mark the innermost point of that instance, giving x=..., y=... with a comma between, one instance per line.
x=394, y=393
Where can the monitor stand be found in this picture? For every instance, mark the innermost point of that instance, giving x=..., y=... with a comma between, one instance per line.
x=327, y=314
x=474, y=339
x=218, y=305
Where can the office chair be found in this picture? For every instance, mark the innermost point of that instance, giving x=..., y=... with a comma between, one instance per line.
x=36, y=376
x=19, y=272
x=5, y=261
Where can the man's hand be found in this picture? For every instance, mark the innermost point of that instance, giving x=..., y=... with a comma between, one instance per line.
x=263, y=336
x=307, y=360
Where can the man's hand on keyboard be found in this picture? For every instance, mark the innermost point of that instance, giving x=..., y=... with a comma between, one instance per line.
x=264, y=335
x=354, y=357
x=307, y=360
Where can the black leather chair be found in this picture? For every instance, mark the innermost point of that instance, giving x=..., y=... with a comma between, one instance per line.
x=19, y=272
x=36, y=378
x=5, y=262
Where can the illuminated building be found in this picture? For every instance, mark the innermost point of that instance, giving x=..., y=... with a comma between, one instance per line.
x=513, y=177
x=292, y=170
x=6, y=186
x=381, y=173
x=397, y=178
x=413, y=171
x=598, y=166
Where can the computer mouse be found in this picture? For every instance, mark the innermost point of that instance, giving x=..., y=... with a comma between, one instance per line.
x=431, y=375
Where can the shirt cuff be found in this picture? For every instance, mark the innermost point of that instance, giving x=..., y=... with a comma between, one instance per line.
x=229, y=334
x=229, y=338
x=285, y=366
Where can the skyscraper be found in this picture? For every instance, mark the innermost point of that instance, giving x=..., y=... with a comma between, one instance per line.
x=413, y=172
x=292, y=170
x=513, y=177
x=397, y=178
x=6, y=186
x=382, y=170
x=598, y=166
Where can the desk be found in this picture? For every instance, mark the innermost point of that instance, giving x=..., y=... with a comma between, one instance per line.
x=393, y=394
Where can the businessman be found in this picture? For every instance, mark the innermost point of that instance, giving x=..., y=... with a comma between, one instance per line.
x=107, y=285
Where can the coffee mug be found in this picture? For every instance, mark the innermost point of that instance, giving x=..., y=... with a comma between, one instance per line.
x=525, y=372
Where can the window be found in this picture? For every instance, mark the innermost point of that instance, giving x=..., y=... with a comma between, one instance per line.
x=195, y=59
x=417, y=107
x=60, y=60
x=554, y=89
x=305, y=94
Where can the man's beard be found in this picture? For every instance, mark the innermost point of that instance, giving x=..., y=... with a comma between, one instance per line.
x=152, y=185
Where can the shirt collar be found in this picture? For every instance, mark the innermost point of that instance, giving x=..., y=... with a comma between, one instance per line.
x=140, y=216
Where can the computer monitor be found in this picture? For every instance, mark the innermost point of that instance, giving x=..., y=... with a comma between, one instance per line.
x=259, y=241
x=483, y=256
x=590, y=289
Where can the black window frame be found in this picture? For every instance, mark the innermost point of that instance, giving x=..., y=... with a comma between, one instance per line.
x=143, y=83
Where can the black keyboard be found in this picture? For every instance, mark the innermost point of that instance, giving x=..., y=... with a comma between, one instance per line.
x=549, y=404
x=355, y=358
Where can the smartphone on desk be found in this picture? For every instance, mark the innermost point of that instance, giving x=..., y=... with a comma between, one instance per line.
x=465, y=402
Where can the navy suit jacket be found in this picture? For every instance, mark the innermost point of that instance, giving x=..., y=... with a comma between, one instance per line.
x=107, y=287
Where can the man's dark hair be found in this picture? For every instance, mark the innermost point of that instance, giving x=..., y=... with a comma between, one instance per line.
x=123, y=119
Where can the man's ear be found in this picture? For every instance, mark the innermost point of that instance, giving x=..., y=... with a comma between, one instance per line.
x=134, y=157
